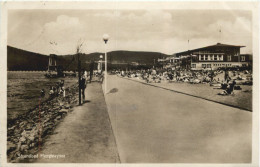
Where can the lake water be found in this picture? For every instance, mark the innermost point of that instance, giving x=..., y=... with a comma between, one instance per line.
x=23, y=90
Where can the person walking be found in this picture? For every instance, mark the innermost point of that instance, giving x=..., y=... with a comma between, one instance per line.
x=83, y=87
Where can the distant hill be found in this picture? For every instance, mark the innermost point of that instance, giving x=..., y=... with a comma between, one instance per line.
x=18, y=59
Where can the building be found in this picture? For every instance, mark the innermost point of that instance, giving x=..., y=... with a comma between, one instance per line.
x=165, y=62
x=169, y=62
x=213, y=57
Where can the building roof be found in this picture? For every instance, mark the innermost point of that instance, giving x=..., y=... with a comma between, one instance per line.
x=211, y=47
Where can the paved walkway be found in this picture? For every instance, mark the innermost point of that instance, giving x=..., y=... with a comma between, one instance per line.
x=154, y=125
x=85, y=135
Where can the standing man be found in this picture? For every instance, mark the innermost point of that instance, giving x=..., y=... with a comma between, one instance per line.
x=91, y=69
x=83, y=86
x=226, y=76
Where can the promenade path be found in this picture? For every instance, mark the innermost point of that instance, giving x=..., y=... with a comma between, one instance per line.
x=85, y=135
x=154, y=125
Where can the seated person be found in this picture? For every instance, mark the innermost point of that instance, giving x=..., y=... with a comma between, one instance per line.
x=239, y=77
x=230, y=88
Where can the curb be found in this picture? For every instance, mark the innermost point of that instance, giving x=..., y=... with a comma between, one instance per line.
x=110, y=122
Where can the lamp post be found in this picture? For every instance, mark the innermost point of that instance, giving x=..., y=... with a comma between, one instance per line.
x=105, y=38
x=101, y=59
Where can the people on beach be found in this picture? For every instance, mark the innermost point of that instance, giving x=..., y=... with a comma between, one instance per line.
x=226, y=76
x=229, y=89
x=211, y=77
x=57, y=89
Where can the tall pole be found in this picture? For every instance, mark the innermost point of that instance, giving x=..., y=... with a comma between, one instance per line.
x=105, y=38
x=79, y=80
x=101, y=62
x=101, y=65
x=188, y=44
x=106, y=66
x=220, y=35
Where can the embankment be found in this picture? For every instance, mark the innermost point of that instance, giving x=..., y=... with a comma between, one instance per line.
x=26, y=134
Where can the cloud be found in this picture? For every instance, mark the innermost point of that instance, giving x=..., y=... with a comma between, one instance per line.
x=64, y=31
x=165, y=31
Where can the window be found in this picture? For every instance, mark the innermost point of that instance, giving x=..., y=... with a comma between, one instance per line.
x=208, y=65
x=205, y=57
x=215, y=57
x=221, y=57
x=229, y=58
x=243, y=58
x=193, y=65
x=201, y=57
x=203, y=65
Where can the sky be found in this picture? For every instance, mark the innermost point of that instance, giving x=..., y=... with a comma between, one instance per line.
x=166, y=31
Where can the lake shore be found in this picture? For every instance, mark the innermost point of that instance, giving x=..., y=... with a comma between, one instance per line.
x=24, y=91
x=27, y=133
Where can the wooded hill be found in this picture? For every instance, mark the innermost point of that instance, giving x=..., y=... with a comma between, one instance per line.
x=18, y=59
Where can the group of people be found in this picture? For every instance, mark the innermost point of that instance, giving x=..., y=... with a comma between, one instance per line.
x=58, y=89
x=230, y=82
x=159, y=75
x=54, y=90
x=227, y=83
x=228, y=87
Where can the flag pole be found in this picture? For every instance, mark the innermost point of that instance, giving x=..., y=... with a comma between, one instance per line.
x=220, y=35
